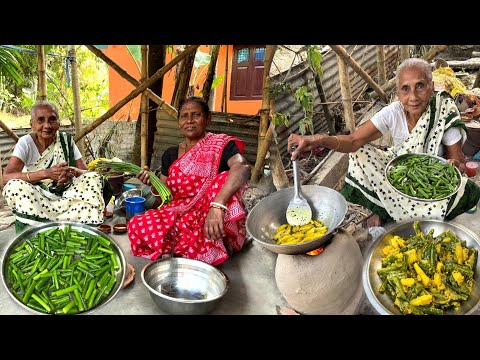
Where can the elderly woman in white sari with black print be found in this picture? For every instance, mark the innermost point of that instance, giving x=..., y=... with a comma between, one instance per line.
x=421, y=121
x=46, y=177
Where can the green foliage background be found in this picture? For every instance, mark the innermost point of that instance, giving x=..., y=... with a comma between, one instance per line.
x=17, y=98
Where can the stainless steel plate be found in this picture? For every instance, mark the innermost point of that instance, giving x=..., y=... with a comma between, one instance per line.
x=373, y=262
x=31, y=232
x=399, y=158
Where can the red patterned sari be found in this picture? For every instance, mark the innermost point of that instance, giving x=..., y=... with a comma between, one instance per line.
x=194, y=182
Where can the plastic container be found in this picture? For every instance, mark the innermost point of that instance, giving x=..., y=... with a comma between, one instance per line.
x=134, y=205
x=471, y=168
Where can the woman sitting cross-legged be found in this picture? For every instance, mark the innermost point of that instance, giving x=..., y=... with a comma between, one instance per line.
x=46, y=177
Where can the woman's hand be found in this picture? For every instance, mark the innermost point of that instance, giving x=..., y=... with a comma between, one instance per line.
x=214, y=224
x=303, y=143
x=143, y=175
x=59, y=172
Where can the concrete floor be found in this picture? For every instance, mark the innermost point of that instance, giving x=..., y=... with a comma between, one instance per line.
x=251, y=274
x=253, y=289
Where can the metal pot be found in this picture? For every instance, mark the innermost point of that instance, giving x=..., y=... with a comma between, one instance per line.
x=373, y=262
x=328, y=206
x=181, y=286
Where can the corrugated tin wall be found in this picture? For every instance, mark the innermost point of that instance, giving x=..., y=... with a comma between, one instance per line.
x=7, y=144
x=246, y=127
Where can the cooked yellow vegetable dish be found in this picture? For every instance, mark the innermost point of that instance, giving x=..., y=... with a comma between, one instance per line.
x=287, y=234
x=424, y=274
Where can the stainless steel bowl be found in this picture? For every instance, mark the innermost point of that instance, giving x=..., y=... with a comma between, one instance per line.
x=399, y=158
x=31, y=232
x=120, y=201
x=373, y=262
x=182, y=286
x=328, y=206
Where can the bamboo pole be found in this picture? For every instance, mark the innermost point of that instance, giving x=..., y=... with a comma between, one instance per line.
x=382, y=75
x=340, y=51
x=264, y=136
x=207, y=86
x=170, y=110
x=160, y=72
x=434, y=51
x=346, y=94
x=182, y=83
x=323, y=99
x=8, y=131
x=77, y=113
x=279, y=176
x=144, y=110
x=404, y=52
x=224, y=91
x=42, y=74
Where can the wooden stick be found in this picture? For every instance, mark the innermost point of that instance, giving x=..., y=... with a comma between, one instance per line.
x=170, y=110
x=160, y=72
x=340, y=51
x=42, y=73
x=346, y=94
x=9, y=132
x=265, y=131
x=382, y=75
x=144, y=110
x=77, y=114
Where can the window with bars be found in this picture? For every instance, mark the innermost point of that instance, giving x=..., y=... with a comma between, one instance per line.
x=247, y=72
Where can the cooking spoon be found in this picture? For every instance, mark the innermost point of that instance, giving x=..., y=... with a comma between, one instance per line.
x=298, y=211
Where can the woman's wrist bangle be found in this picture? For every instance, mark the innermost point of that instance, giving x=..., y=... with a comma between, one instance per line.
x=338, y=140
x=218, y=206
x=28, y=177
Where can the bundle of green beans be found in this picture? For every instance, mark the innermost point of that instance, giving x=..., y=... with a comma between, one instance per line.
x=129, y=168
x=424, y=177
x=62, y=271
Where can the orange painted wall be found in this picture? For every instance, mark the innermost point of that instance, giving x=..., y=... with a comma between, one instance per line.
x=119, y=87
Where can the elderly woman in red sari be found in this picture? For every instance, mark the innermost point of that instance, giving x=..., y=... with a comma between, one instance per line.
x=46, y=177
x=207, y=175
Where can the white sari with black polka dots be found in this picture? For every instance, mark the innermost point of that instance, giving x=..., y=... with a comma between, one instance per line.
x=81, y=201
x=366, y=181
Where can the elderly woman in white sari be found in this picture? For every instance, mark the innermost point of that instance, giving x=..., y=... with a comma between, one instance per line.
x=46, y=178
x=421, y=121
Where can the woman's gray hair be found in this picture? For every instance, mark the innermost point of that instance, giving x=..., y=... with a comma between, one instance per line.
x=421, y=64
x=43, y=103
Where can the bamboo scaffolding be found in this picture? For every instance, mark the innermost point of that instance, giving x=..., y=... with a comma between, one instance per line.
x=144, y=110
x=207, y=86
x=404, y=52
x=160, y=72
x=340, y=51
x=170, y=110
x=77, y=113
x=382, y=74
x=42, y=74
x=346, y=94
x=265, y=132
x=8, y=131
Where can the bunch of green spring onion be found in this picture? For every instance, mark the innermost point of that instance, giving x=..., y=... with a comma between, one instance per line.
x=129, y=168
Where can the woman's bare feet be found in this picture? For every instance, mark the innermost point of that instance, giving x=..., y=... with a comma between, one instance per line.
x=374, y=220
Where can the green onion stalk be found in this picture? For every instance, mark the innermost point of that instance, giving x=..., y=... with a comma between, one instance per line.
x=129, y=168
